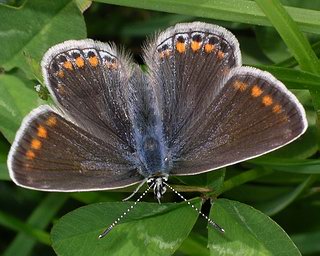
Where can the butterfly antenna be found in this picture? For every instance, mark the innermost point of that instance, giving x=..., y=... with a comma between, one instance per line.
x=210, y=221
x=106, y=231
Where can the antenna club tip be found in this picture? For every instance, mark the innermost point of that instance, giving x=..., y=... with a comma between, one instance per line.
x=222, y=230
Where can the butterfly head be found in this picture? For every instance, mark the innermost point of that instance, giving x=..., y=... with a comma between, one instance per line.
x=159, y=188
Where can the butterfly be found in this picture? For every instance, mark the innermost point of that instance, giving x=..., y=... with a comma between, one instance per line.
x=194, y=110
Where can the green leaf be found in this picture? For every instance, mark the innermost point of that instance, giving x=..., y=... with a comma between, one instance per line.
x=195, y=244
x=215, y=181
x=16, y=100
x=247, y=232
x=28, y=31
x=271, y=44
x=291, y=62
x=315, y=5
x=148, y=229
x=83, y=4
x=244, y=11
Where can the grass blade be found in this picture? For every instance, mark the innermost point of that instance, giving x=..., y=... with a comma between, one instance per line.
x=39, y=219
x=243, y=11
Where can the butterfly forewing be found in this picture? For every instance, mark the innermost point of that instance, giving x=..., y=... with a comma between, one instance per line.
x=51, y=153
x=89, y=81
x=188, y=64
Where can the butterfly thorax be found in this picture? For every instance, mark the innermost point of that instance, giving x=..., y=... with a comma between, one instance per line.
x=154, y=157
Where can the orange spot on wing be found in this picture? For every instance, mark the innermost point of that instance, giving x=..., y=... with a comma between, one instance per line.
x=267, y=100
x=51, y=121
x=30, y=154
x=42, y=132
x=80, y=62
x=195, y=46
x=68, y=65
x=93, y=61
x=220, y=55
x=35, y=144
x=256, y=91
x=241, y=86
x=181, y=47
x=208, y=48
x=60, y=74
x=277, y=109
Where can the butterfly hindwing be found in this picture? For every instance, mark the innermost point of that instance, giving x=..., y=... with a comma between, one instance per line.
x=253, y=114
x=51, y=153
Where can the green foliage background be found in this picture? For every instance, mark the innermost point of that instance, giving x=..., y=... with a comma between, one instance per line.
x=280, y=37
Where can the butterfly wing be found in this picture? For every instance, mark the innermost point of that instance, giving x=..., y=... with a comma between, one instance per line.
x=253, y=115
x=215, y=112
x=92, y=146
x=188, y=65
x=89, y=82
x=51, y=153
